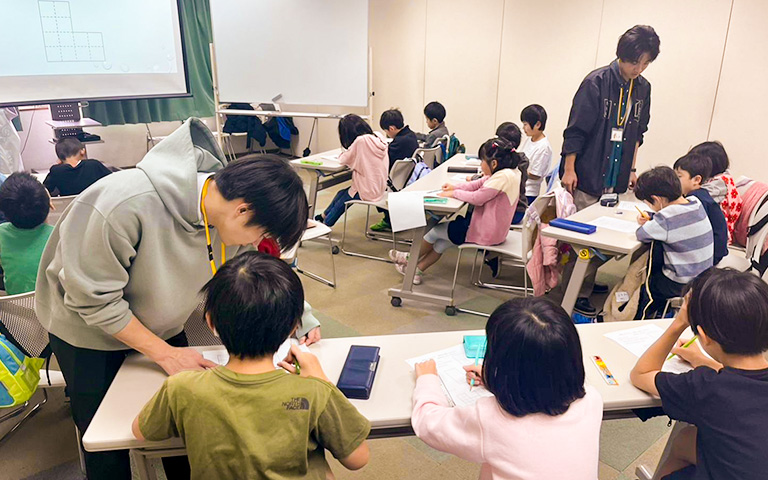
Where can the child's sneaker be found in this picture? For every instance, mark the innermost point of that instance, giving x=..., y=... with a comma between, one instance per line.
x=398, y=257
x=382, y=226
x=400, y=267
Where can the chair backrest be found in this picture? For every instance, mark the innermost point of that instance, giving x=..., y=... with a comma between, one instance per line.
x=431, y=156
x=60, y=204
x=196, y=329
x=400, y=173
x=19, y=322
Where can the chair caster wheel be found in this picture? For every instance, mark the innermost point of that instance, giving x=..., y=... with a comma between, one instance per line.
x=335, y=250
x=450, y=311
x=396, y=301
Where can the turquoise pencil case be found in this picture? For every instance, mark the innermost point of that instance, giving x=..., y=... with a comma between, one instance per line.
x=473, y=343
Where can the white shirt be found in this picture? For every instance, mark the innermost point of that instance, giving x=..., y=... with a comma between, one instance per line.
x=201, y=178
x=540, y=156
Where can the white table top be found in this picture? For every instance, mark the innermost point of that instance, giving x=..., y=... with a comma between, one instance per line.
x=390, y=402
x=328, y=166
x=435, y=180
x=603, y=239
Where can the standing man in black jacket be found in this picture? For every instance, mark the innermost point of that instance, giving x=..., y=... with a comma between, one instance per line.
x=609, y=116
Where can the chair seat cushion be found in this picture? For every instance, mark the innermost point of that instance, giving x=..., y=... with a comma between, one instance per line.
x=512, y=246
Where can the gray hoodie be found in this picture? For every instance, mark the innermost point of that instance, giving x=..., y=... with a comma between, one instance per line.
x=133, y=244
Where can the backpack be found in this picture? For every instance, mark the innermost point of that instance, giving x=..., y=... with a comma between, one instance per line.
x=420, y=170
x=19, y=374
x=451, y=147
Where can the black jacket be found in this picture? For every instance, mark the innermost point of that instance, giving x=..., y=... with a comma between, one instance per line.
x=65, y=180
x=402, y=146
x=593, y=115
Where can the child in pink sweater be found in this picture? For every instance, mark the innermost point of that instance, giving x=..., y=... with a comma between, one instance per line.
x=494, y=197
x=542, y=424
x=366, y=155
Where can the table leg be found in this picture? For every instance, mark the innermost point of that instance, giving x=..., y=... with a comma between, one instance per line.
x=410, y=271
x=313, y=193
x=577, y=279
x=142, y=466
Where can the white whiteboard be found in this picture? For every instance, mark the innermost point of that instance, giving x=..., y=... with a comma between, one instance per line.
x=312, y=52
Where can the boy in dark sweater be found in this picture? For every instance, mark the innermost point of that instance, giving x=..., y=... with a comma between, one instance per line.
x=693, y=170
x=75, y=173
x=403, y=144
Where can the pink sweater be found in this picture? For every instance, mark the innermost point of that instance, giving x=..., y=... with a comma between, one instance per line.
x=367, y=158
x=536, y=446
x=495, y=199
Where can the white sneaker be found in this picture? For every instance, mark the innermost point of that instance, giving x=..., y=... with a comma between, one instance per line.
x=400, y=267
x=399, y=257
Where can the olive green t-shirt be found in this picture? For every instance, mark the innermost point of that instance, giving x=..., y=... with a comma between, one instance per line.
x=267, y=426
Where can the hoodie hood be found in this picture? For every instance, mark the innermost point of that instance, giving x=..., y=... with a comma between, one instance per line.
x=376, y=142
x=173, y=164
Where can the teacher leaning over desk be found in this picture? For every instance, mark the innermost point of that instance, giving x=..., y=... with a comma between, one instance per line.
x=124, y=265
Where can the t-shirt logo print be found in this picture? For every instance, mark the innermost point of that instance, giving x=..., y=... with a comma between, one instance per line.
x=297, y=403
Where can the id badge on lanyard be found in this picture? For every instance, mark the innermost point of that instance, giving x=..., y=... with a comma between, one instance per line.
x=617, y=134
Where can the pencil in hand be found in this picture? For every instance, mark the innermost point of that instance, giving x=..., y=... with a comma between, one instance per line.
x=685, y=345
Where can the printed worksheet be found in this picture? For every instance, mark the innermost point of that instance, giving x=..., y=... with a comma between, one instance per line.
x=450, y=363
x=612, y=223
x=632, y=206
x=221, y=357
x=637, y=340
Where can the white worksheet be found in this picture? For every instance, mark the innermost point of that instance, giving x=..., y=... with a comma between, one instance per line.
x=458, y=177
x=221, y=357
x=406, y=210
x=611, y=223
x=637, y=340
x=632, y=206
x=450, y=363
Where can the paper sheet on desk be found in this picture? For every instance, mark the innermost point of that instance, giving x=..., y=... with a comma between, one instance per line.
x=615, y=224
x=450, y=363
x=406, y=210
x=632, y=206
x=637, y=340
x=459, y=177
x=222, y=357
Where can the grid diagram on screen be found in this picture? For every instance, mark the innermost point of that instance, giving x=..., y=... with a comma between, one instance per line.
x=62, y=42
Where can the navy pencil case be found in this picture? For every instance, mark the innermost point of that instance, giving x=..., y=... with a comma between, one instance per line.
x=359, y=371
x=579, y=227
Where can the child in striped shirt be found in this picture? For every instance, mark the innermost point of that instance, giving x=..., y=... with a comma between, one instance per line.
x=684, y=244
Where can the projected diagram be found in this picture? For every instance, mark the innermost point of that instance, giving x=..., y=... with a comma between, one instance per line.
x=62, y=42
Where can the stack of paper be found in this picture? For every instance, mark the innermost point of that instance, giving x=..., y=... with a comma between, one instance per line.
x=450, y=363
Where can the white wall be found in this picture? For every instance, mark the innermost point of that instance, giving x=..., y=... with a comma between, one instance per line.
x=485, y=60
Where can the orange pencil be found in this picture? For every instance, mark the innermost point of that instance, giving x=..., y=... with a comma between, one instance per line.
x=644, y=214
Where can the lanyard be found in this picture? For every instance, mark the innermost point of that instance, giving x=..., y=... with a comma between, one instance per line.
x=622, y=119
x=208, y=232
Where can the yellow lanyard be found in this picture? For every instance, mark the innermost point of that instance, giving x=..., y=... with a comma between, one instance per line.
x=621, y=119
x=208, y=232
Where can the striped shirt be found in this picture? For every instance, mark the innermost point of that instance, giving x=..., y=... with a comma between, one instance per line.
x=686, y=236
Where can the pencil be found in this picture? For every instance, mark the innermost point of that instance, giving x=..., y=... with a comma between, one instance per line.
x=686, y=345
x=644, y=214
x=477, y=358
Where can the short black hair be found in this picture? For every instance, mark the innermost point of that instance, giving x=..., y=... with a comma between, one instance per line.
x=533, y=114
x=502, y=151
x=392, y=118
x=510, y=132
x=636, y=41
x=68, y=147
x=533, y=361
x=716, y=153
x=435, y=110
x=695, y=164
x=24, y=201
x=660, y=181
x=274, y=194
x=731, y=307
x=254, y=302
x=352, y=126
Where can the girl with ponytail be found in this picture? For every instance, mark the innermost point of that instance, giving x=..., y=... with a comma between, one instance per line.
x=494, y=197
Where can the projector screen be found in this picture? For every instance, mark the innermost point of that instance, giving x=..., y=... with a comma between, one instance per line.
x=64, y=50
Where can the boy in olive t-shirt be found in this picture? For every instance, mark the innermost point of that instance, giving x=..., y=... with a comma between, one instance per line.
x=246, y=419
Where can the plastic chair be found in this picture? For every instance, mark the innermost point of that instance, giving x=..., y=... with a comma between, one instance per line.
x=516, y=249
x=430, y=156
x=317, y=231
x=196, y=328
x=17, y=316
x=60, y=204
x=398, y=176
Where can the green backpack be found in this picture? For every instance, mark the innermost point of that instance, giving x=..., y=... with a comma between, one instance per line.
x=19, y=374
x=454, y=146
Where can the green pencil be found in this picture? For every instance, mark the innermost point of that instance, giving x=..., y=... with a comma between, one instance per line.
x=477, y=358
x=686, y=345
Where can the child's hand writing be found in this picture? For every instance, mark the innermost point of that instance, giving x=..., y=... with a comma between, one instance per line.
x=309, y=365
x=641, y=219
x=426, y=368
x=474, y=373
x=692, y=354
x=447, y=187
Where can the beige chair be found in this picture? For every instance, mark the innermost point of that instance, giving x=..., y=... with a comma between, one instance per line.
x=18, y=319
x=431, y=156
x=316, y=231
x=59, y=205
x=515, y=251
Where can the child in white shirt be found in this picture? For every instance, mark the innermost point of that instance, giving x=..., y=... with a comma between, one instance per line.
x=537, y=148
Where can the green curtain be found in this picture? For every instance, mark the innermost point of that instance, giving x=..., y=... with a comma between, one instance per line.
x=196, y=19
